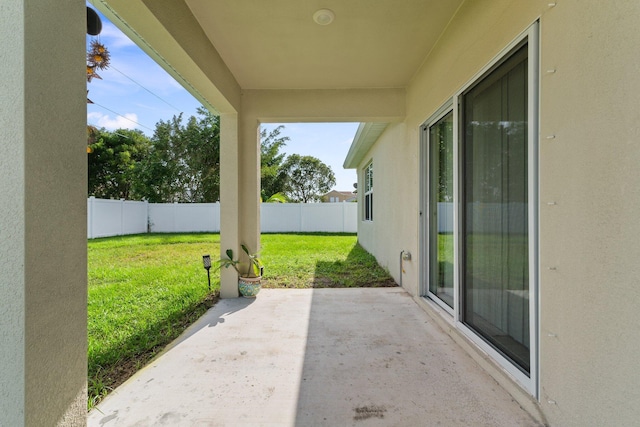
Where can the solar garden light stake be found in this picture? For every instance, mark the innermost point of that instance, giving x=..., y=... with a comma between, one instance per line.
x=206, y=260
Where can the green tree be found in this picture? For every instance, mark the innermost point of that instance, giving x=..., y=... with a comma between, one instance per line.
x=202, y=138
x=114, y=159
x=276, y=198
x=307, y=178
x=180, y=163
x=159, y=173
x=183, y=164
x=272, y=179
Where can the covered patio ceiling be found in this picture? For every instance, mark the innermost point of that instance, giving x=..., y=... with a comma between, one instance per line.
x=249, y=45
x=277, y=44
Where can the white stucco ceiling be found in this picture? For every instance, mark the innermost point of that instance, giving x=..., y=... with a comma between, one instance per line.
x=276, y=44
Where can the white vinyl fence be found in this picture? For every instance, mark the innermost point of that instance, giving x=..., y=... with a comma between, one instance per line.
x=309, y=217
x=115, y=217
x=119, y=217
x=184, y=217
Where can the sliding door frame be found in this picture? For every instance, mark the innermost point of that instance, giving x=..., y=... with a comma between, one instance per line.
x=529, y=382
x=425, y=203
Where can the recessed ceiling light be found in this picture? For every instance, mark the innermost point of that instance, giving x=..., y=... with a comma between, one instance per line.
x=324, y=16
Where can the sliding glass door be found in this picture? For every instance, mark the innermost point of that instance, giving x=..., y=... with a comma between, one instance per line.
x=479, y=204
x=494, y=224
x=440, y=142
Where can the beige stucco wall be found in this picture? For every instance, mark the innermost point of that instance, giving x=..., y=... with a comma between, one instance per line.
x=12, y=285
x=325, y=105
x=249, y=184
x=591, y=236
x=239, y=193
x=395, y=205
x=43, y=213
x=588, y=318
x=229, y=196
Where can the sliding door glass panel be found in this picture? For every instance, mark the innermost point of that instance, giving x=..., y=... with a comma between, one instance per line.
x=495, y=275
x=441, y=209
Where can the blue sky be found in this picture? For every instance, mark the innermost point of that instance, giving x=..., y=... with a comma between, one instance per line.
x=161, y=97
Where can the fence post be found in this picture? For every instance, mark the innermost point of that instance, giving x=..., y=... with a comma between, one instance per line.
x=344, y=206
x=216, y=209
x=301, y=216
x=175, y=209
x=122, y=217
x=146, y=207
x=90, y=211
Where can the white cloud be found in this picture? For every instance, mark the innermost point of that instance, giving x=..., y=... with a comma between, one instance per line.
x=105, y=121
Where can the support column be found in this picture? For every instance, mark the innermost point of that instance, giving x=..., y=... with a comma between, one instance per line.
x=239, y=193
x=43, y=213
x=250, y=183
x=229, y=200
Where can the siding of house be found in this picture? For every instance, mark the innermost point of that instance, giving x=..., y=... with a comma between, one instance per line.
x=394, y=204
x=588, y=239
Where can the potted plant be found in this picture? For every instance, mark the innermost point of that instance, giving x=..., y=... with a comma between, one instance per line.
x=249, y=281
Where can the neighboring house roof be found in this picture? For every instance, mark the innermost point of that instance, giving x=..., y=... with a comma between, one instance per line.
x=337, y=192
x=343, y=196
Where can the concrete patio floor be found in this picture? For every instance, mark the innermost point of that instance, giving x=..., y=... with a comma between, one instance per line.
x=322, y=357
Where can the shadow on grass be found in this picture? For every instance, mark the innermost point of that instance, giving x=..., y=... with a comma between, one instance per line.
x=167, y=238
x=111, y=367
x=308, y=233
x=359, y=269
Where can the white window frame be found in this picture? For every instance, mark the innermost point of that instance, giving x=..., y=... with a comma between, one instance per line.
x=530, y=382
x=426, y=188
x=367, y=206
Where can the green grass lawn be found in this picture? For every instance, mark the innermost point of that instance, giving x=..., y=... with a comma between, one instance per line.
x=145, y=290
x=319, y=260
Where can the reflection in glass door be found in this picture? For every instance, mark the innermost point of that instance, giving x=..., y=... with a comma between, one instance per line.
x=495, y=198
x=441, y=209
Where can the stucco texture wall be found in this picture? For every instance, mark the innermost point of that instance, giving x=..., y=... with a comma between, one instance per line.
x=588, y=303
x=11, y=224
x=395, y=205
x=43, y=253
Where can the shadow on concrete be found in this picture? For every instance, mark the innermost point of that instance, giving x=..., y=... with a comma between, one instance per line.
x=212, y=317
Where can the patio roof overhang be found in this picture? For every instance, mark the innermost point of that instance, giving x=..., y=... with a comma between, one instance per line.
x=220, y=49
